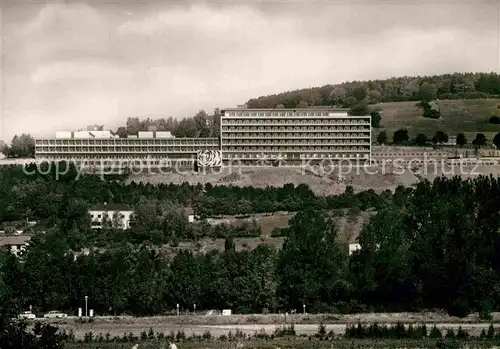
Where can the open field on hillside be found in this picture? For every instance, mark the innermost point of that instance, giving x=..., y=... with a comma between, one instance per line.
x=267, y=222
x=250, y=324
x=242, y=177
x=327, y=183
x=465, y=115
x=207, y=245
x=376, y=178
x=349, y=226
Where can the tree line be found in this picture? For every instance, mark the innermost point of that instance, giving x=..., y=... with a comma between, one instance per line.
x=21, y=146
x=402, y=137
x=200, y=125
x=66, y=200
x=408, y=88
x=435, y=246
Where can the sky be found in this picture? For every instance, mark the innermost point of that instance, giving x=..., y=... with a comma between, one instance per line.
x=67, y=64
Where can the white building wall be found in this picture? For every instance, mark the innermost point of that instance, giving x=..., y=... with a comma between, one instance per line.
x=82, y=135
x=97, y=216
x=146, y=134
x=163, y=134
x=353, y=248
x=63, y=134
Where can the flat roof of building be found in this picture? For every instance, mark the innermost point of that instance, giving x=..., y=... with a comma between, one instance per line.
x=8, y=240
x=287, y=109
x=173, y=139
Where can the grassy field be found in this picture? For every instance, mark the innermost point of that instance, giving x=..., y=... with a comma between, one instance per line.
x=285, y=343
x=207, y=245
x=266, y=222
x=349, y=226
x=465, y=115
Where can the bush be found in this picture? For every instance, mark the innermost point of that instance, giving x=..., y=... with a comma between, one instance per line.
x=494, y=120
x=278, y=232
x=321, y=330
x=461, y=334
x=432, y=114
x=485, y=315
x=180, y=335
x=88, y=337
x=435, y=333
x=459, y=308
x=284, y=331
x=450, y=344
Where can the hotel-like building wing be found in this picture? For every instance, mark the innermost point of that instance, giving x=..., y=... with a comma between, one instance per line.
x=248, y=137
x=294, y=136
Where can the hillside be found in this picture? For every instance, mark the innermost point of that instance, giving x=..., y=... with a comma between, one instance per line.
x=326, y=184
x=406, y=88
x=465, y=101
x=469, y=116
x=349, y=225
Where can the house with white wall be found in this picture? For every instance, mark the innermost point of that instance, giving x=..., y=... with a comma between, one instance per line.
x=110, y=215
x=15, y=243
x=353, y=247
x=189, y=213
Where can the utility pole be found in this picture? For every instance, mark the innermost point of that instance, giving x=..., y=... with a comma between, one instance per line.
x=86, y=300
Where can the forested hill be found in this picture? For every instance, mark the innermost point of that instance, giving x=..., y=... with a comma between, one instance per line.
x=406, y=88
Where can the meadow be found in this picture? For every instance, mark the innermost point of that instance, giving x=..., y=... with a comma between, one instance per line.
x=300, y=343
x=469, y=116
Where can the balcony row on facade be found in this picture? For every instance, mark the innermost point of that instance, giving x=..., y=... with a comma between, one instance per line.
x=83, y=149
x=129, y=142
x=228, y=135
x=298, y=129
x=124, y=156
x=247, y=147
x=294, y=143
x=194, y=149
x=295, y=149
x=228, y=113
x=294, y=122
x=301, y=156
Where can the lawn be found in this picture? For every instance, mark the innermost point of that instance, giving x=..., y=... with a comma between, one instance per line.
x=290, y=343
x=465, y=115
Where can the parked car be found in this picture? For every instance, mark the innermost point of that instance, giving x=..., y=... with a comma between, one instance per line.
x=26, y=315
x=55, y=314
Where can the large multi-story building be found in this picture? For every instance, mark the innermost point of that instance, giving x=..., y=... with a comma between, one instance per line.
x=248, y=137
x=103, y=148
x=293, y=136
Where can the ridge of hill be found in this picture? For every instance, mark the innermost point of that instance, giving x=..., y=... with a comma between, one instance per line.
x=465, y=102
x=396, y=89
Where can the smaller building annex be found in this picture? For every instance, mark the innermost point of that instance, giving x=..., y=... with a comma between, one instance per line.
x=115, y=215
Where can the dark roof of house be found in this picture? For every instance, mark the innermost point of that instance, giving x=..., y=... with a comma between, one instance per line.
x=189, y=210
x=8, y=240
x=110, y=207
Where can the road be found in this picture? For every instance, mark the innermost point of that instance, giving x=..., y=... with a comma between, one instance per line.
x=118, y=329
